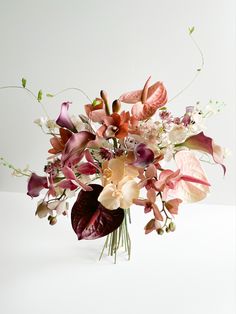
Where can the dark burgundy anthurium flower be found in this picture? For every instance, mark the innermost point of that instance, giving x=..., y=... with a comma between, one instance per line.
x=64, y=120
x=90, y=220
x=36, y=184
x=143, y=155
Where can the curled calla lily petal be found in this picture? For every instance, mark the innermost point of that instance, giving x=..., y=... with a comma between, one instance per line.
x=143, y=155
x=90, y=220
x=36, y=184
x=206, y=144
x=64, y=120
x=75, y=147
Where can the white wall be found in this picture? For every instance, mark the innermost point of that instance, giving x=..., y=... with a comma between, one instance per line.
x=113, y=45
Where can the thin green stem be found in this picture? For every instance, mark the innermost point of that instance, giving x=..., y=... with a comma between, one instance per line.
x=196, y=74
x=72, y=88
x=29, y=92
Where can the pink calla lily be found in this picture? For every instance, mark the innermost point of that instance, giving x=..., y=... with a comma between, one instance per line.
x=206, y=144
x=146, y=101
x=64, y=120
x=75, y=146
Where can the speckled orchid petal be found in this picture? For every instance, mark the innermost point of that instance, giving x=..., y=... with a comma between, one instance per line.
x=90, y=220
x=206, y=144
x=36, y=184
x=64, y=120
x=75, y=147
x=143, y=155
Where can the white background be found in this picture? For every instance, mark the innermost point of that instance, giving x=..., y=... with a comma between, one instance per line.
x=113, y=45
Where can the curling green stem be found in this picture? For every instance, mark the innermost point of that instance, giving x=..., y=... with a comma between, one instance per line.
x=72, y=88
x=199, y=70
x=29, y=92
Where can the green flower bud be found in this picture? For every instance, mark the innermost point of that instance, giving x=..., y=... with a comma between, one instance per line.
x=53, y=221
x=172, y=226
x=167, y=229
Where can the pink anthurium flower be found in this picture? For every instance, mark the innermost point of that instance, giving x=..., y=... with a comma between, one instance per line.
x=192, y=185
x=75, y=146
x=36, y=184
x=64, y=120
x=146, y=101
x=188, y=182
x=206, y=144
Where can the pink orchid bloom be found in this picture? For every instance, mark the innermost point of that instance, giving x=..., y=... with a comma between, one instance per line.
x=173, y=205
x=146, y=101
x=70, y=175
x=64, y=120
x=152, y=225
x=148, y=177
x=36, y=184
x=149, y=204
x=206, y=144
x=115, y=125
x=75, y=146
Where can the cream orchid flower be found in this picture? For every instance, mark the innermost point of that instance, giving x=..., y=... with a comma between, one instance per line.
x=120, y=187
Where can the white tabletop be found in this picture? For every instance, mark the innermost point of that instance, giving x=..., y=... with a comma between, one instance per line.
x=45, y=269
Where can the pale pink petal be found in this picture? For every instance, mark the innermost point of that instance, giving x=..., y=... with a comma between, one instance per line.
x=131, y=97
x=151, y=195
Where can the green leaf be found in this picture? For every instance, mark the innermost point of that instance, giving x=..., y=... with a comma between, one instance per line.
x=49, y=95
x=23, y=82
x=40, y=95
x=191, y=30
x=163, y=108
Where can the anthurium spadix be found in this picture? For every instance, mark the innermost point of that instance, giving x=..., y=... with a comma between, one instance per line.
x=147, y=100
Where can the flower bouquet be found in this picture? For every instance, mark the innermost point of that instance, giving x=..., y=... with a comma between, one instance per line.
x=107, y=156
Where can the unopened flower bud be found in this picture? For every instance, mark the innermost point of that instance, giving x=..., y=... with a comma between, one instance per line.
x=167, y=229
x=53, y=221
x=172, y=226
x=104, y=97
x=160, y=231
x=116, y=106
